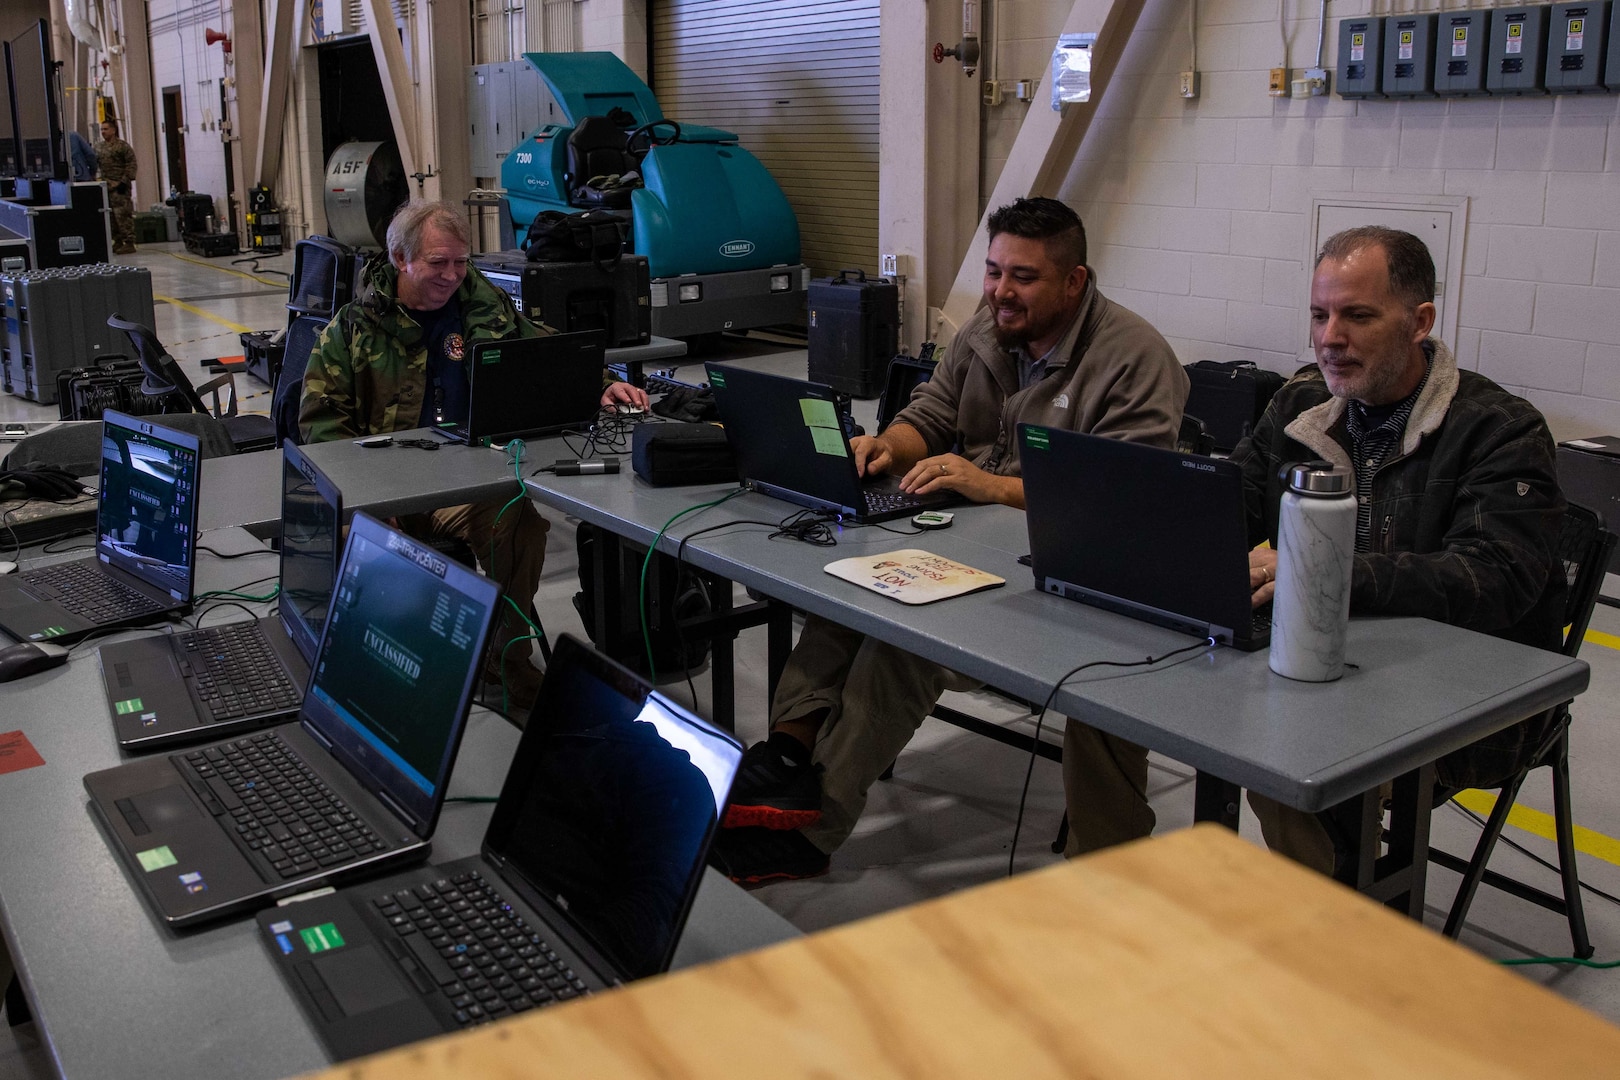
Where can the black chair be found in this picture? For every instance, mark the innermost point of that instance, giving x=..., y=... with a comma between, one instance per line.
x=163, y=376
x=1194, y=437
x=1584, y=546
x=905, y=374
x=302, y=335
x=596, y=152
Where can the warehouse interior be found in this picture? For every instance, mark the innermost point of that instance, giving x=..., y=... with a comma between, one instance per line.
x=892, y=127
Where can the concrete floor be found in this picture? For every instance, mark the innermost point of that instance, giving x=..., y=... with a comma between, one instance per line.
x=946, y=819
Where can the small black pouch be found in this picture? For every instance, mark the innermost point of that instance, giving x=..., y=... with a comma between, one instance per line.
x=669, y=455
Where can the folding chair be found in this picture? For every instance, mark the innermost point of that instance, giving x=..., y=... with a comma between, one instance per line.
x=1584, y=546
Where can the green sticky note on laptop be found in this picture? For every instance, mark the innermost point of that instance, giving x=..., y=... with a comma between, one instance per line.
x=826, y=434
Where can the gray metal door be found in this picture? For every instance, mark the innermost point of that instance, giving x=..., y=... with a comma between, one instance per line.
x=797, y=80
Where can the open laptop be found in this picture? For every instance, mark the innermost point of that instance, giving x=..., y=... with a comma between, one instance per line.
x=353, y=788
x=1154, y=534
x=220, y=680
x=524, y=387
x=789, y=443
x=587, y=872
x=146, y=534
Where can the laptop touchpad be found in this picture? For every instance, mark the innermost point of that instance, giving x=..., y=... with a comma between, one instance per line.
x=166, y=806
x=360, y=979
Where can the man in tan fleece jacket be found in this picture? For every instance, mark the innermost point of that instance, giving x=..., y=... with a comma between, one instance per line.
x=1046, y=348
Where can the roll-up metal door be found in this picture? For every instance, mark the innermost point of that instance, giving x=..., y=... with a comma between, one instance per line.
x=797, y=80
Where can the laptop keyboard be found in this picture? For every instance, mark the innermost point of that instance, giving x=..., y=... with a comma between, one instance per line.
x=286, y=818
x=886, y=502
x=459, y=937
x=235, y=672
x=83, y=589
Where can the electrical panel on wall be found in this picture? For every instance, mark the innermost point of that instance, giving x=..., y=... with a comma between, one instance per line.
x=1462, y=39
x=1361, y=58
x=1409, y=55
x=1518, y=53
x=1576, y=45
x=1612, y=66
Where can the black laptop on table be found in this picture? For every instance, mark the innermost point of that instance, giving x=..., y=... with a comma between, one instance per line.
x=790, y=444
x=221, y=680
x=523, y=387
x=144, y=564
x=587, y=872
x=356, y=786
x=1154, y=534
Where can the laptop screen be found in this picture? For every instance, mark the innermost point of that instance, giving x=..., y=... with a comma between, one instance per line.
x=391, y=684
x=147, y=516
x=786, y=433
x=311, y=520
x=609, y=806
x=539, y=384
x=1162, y=533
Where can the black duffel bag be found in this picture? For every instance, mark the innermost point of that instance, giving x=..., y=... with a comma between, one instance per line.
x=594, y=236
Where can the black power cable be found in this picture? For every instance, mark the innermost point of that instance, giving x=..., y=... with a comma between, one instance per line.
x=1040, y=718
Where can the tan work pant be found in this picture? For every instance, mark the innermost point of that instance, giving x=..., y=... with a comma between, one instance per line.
x=1104, y=786
x=876, y=696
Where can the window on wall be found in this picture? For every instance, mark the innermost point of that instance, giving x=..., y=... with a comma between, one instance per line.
x=798, y=82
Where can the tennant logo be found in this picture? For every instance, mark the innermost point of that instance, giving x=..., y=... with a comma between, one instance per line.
x=399, y=659
x=736, y=249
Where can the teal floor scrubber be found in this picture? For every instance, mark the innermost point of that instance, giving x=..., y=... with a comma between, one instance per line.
x=721, y=241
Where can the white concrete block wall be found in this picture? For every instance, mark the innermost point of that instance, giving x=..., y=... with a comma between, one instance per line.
x=1224, y=274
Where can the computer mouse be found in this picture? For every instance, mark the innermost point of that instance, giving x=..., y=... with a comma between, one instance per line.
x=29, y=657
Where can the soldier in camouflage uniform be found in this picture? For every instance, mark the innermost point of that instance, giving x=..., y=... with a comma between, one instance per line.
x=394, y=359
x=117, y=161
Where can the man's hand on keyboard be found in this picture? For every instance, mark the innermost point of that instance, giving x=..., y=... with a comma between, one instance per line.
x=952, y=472
x=872, y=456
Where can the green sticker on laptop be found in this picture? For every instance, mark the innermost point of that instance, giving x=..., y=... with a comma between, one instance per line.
x=156, y=858
x=318, y=939
x=826, y=434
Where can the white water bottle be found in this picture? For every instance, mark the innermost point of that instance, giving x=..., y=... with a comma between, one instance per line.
x=1316, y=543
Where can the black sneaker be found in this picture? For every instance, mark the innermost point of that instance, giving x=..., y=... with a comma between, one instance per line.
x=760, y=856
x=777, y=787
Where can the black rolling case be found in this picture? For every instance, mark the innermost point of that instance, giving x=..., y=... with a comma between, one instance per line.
x=114, y=382
x=854, y=330
x=1230, y=397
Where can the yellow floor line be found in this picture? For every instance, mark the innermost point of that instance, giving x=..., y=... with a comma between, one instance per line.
x=1587, y=842
x=223, y=270
x=210, y=316
x=1598, y=637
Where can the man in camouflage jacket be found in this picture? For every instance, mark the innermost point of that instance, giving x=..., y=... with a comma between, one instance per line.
x=117, y=161
x=394, y=359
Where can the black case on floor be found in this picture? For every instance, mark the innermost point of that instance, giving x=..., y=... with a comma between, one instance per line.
x=211, y=245
x=114, y=382
x=1229, y=397
x=854, y=330
x=262, y=350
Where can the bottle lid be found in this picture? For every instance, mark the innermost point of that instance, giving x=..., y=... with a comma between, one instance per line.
x=1318, y=478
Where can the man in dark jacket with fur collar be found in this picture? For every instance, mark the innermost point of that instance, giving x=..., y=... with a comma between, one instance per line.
x=1457, y=499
